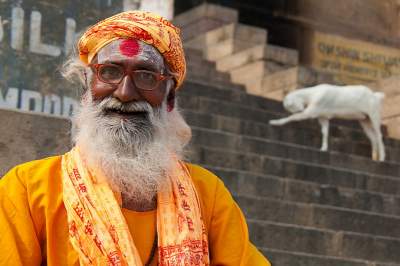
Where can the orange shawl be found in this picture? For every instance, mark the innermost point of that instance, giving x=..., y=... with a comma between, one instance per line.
x=98, y=230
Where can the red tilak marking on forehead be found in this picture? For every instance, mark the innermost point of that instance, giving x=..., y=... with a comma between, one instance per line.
x=129, y=47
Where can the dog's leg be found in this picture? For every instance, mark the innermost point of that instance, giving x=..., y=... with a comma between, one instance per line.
x=306, y=114
x=369, y=131
x=376, y=126
x=325, y=132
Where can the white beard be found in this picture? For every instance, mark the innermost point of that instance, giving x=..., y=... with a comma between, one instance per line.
x=135, y=155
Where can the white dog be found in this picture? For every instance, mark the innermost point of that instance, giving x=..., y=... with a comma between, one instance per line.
x=346, y=102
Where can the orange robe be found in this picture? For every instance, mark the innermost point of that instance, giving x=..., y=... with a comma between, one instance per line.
x=33, y=220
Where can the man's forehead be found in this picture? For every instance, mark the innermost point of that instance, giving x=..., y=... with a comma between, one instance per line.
x=126, y=49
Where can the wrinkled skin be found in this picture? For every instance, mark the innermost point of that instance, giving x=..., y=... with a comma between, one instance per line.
x=132, y=55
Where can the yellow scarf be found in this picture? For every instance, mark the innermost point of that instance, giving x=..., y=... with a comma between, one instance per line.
x=98, y=230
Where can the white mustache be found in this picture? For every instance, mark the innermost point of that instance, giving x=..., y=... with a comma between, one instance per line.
x=111, y=103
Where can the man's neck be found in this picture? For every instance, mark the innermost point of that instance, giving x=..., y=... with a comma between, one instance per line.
x=139, y=206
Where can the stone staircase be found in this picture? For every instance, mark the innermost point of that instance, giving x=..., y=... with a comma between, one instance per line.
x=303, y=206
x=240, y=50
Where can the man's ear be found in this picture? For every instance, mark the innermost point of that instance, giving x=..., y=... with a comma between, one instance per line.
x=86, y=87
x=171, y=100
x=170, y=84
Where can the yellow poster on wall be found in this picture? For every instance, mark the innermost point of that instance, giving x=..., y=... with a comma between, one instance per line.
x=353, y=61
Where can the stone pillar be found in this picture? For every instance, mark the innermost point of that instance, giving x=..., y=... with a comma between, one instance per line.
x=131, y=4
x=164, y=8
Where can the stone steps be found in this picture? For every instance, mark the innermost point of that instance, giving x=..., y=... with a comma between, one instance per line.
x=261, y=147
x=226, y=40
x=261, y=71
x=334, y=193
x=276, y=57
x=263, y=78
x=204, y=18
x=31, y=120
x=346, y=245
x=283, y=167
x=319, y=216
x=234, y=109
x=257, y=119
x=287, y=258
x=207, y=73
x=241, y=99
x=341, y=139
x=282, y=55
x=242, y=183
x=240, y=50
x=204, y=72
x=241, y=58
x=194, y=88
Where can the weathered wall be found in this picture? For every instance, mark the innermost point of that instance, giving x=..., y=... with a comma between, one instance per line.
x=355, y=40
x=370, y=20
x=35, y=37
x=164, y=8
x=348, y=59
x=26, y=136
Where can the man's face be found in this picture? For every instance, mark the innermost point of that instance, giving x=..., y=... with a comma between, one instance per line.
x=131, y=134
x=123, y=109
x=117, y=79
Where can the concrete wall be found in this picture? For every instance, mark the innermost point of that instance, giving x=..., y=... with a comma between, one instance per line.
x=35, y=37
x=355, y=40
x=27, y=136
x=369, y=20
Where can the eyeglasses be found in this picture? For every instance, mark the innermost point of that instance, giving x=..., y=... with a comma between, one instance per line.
x=114, y=74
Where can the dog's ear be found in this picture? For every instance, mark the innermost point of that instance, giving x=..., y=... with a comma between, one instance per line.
x=299, y=104
x=293, y=104
x=287, y=102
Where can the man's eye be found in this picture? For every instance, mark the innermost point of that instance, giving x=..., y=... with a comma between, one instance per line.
x=145, y=76
x=111, y=73
x=145, y=80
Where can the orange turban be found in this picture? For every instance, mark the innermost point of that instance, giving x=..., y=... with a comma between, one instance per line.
x=145, y=26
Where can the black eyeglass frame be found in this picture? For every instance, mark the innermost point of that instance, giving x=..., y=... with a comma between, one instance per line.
x=159, y=77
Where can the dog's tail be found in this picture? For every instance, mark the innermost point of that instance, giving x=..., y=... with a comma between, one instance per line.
x=379, y=95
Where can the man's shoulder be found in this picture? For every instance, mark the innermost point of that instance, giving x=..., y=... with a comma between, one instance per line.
x=205, y=181
x=45, y=164
x=37, y=171
x=199, y=173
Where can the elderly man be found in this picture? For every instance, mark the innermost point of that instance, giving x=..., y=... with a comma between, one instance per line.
x=123, y=195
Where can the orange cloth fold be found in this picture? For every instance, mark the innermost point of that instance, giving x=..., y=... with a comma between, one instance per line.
x=98, y=230
x=145, y=26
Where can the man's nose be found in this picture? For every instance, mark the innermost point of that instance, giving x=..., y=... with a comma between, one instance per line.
x=127, y=91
